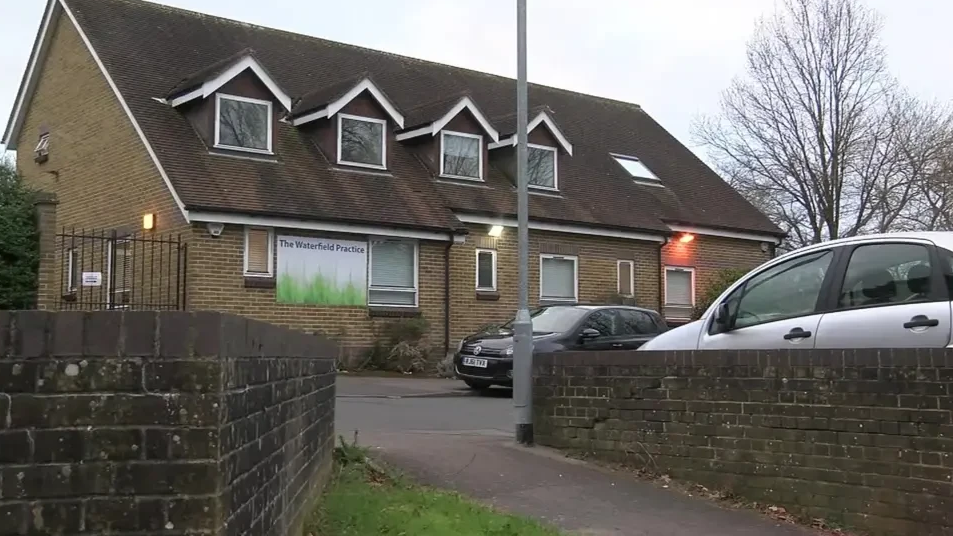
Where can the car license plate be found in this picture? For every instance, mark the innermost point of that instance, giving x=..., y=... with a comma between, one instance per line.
x=474, y=362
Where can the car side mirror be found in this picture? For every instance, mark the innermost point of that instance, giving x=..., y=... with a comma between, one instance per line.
x=722, y=316
x=590, y=333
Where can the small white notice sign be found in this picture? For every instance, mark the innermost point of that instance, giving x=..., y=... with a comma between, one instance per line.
x=92, y=279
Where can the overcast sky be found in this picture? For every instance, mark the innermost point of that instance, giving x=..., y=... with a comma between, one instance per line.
x=673, y=57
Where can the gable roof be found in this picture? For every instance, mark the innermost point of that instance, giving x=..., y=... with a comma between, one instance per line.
x=148, y=48
x=433, y=117
x=327, y=101
x=207, y=81
x=541, y=118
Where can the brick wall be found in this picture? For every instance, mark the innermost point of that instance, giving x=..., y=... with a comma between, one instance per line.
x=216, y=282
x=859, y=437
x=141, y=423
x=708, y=255
x=598, y=257
x=98, y=167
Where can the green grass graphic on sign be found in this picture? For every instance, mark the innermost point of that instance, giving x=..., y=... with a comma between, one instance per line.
x=318, y=271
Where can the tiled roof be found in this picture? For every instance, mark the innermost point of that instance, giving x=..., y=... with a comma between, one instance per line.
x=150, y=48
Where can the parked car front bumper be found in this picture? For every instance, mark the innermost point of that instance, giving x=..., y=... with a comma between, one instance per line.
x=498, y=371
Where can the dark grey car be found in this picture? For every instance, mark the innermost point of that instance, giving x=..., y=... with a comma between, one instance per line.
x=486, y=358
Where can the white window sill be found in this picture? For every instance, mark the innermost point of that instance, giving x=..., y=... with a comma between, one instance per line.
x=258, y=274
x=244, y=149
x=461, y=178
x=359, y=164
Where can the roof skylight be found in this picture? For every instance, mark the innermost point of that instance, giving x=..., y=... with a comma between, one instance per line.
x=635, y=167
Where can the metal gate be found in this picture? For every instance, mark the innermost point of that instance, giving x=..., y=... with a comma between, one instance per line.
x=107, y=270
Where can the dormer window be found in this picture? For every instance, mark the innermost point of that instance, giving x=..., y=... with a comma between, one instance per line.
x=243, y=124
x=361, y=141
x=541, y=167
x=637, y=170
x=461, y=155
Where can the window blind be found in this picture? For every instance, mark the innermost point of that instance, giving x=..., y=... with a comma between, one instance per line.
x=485, y=270
x=257, y=251
x=392, y=274
x=678, y=287
x=558, y=279
x=625, y=278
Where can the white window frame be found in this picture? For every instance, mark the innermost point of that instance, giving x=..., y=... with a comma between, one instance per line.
x=555, y=151
x=370, y=274
x=492, y=253
x=271, y=252
x=109, y=272
x=618, y=273
x=575, y=260
x=218, y=123
x=70, y=267
x=679, y=269
x=43, y=145
x=341, y=118
x=479, y=138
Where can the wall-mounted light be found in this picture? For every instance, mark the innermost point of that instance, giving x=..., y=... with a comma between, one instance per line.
x=496, y=231
x=148, y=221
x=686, y=238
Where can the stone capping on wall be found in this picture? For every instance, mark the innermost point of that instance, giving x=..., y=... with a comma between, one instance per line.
x=133, y=423
x=860, y=437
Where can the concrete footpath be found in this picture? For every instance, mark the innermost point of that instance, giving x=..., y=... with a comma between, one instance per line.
x=465, y=444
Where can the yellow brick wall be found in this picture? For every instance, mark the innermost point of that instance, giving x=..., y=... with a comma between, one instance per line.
x=98, y=166
x=597, y=273
x=216, y=281
x=710, y=254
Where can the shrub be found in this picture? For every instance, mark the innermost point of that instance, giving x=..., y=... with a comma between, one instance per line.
x=718, y=284
x=19, y=241
x=397, y=346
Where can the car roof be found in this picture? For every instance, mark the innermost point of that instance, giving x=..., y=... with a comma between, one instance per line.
x=943, y=239
x=592, y=307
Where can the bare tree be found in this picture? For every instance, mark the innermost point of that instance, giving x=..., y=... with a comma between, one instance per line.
x=815, y=134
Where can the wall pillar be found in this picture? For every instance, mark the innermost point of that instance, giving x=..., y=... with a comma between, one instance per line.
x=47, y=277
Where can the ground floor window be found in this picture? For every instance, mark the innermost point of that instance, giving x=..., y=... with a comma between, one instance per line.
x=486, y=269
x=259, y=248
x=679, y=292
x=558, y=278
x=119, y=280
x=626, y=277
x=393, y=273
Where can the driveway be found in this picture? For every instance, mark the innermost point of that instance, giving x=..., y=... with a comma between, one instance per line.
x=464, y=443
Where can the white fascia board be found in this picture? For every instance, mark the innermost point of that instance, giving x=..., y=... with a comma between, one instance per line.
x=248, y=62
x=31, y=76
x=125, y=107
x=542, y=118
x=422, y=131
x=367, y=85
x=560, y=228
x=330, y=227
x=740, y=235
x=466, y=104
x=313, y=116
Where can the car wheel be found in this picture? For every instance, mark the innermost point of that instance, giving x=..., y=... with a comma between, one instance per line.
x=476, y=384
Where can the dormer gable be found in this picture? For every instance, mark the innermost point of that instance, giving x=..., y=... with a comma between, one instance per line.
x=327, y=102
x=542, y=117
x=432, y=118
x=205, y=83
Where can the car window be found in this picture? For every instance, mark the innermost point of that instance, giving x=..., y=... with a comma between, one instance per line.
x=637, y=323
x=947, y=266
x=785, y=290
x=607, y=321
x=884, y=274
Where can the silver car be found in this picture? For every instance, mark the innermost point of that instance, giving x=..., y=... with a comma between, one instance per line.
x=876, y=291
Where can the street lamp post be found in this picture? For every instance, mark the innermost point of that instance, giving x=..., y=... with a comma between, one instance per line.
x=523, y=325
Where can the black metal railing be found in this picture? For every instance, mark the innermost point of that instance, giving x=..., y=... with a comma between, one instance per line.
x=102, y=269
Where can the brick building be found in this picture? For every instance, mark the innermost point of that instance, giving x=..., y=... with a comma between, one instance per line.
x=324, y=186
